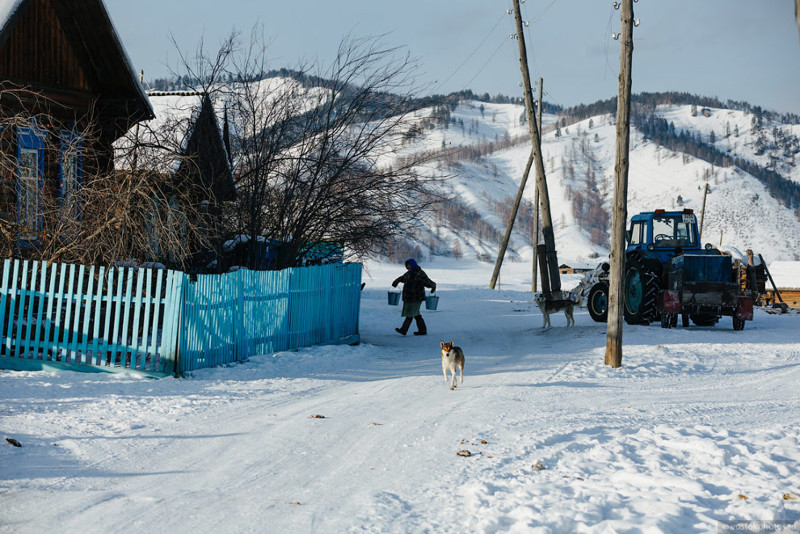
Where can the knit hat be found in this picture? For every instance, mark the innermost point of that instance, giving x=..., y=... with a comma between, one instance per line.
x=411, y=263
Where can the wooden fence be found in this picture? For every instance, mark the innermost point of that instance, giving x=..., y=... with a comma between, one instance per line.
x=53, y=315
x=159, y=322
x=230, y=317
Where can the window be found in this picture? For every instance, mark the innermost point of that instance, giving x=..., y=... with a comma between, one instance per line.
x=70, y=173
x=30, y=183
x=636, y=234
x=674, y=231
x=29, y=193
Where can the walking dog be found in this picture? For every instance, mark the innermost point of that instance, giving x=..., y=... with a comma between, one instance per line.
x=452, y=359
x=548, y=306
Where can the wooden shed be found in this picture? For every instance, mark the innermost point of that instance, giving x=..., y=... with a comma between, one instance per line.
x=786, y=275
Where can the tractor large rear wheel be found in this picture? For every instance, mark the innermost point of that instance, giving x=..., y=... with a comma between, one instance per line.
x=642, y=285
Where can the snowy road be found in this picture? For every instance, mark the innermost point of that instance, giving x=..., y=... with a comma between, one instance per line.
x=699, y=426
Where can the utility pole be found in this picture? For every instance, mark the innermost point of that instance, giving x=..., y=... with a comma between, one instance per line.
x=797, y=13
x=620, y=213
x=703, y=211
x=536, y=196
x=554, y=290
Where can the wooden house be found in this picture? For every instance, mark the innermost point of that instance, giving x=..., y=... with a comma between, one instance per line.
x=183, y=145
x=67, y=92
x=575, y=268
x=786, y=276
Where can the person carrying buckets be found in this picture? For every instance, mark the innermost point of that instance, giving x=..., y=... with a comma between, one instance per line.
x=414, y=282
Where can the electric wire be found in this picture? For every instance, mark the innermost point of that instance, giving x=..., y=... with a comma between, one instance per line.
x=460, y=66
x=487, y=61
x=609, y=66
x=545, y=10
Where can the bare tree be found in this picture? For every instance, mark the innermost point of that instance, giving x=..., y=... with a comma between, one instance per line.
x=316, y=155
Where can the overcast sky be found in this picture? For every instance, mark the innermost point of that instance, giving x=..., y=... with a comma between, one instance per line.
x=731, y=49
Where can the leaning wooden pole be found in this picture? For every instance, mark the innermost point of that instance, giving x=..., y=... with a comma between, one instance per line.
x=541, y=181
x=620, y=214
x=510, y=226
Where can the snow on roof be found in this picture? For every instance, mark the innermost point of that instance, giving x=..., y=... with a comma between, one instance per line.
x=785, y=273
x=737, y=254
x=168, y=132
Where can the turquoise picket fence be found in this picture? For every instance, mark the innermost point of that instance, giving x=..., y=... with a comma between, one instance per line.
x=59, y=315
x=230, y=317
x=160, y=322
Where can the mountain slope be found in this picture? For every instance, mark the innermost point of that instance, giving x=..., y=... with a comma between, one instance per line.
x=487, y=147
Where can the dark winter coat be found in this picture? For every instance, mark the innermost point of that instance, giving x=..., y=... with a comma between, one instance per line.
x=414, y=283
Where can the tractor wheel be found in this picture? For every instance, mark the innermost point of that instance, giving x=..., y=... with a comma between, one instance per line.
x=704, y=319
x=642, y=286
x=598, y=302
x=738, y=323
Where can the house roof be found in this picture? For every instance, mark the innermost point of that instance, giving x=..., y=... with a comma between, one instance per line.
x=185, y=124
x=88, y=26
x=785, y=273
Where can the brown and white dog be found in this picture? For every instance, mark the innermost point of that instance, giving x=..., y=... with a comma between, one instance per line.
x=547, y=307
x=452, y=359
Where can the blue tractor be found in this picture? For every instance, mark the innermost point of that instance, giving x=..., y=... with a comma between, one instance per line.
x=669, y=274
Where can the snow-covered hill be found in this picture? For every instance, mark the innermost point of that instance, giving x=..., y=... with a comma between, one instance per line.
x=579, y=162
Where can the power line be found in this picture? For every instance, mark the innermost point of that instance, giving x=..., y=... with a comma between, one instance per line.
x=473, y=52
x=487, y=62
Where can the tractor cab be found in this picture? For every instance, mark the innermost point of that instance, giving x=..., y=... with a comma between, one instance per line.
x=664, y=234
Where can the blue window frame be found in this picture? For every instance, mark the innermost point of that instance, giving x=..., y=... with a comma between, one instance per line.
x=30, y=183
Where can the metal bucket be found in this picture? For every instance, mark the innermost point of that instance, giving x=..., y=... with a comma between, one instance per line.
x=394, y=298
x=431, y=302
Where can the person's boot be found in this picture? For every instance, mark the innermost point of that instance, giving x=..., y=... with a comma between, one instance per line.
x=421, y=328
x=403, y=329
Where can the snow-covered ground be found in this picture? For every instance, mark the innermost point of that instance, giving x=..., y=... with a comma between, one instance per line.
x=698, y=427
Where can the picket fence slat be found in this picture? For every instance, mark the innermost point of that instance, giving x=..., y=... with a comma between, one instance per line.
x=4, y=295
x=12, y=311
x=23, y=292
x=98, y=314
x=38, y=343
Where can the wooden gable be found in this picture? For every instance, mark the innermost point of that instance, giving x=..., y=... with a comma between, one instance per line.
x=38, y=52
x=68, y=52
x=209, y=159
